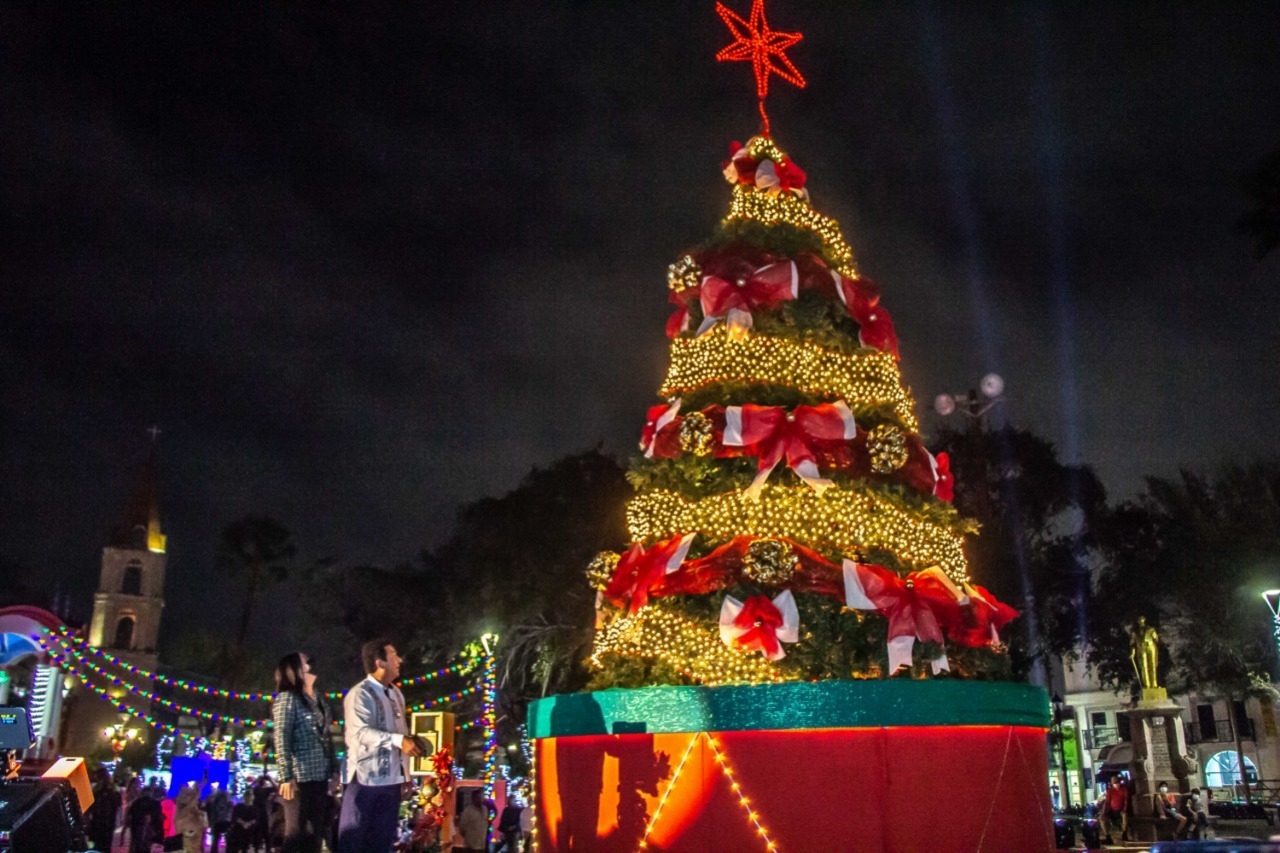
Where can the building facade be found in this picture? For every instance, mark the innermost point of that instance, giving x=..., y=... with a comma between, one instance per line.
x=1096, y=740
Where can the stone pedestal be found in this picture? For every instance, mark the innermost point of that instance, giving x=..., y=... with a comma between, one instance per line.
x=1159, y=755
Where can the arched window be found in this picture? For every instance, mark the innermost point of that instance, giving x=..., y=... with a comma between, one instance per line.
x=1222, y=770
x=124, y=633
x=132, y=583
x=139, y=538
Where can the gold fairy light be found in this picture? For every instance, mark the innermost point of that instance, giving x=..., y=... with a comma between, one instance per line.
x=850, y=521
x=683, y=643
x=750, y=203
x=868, y=377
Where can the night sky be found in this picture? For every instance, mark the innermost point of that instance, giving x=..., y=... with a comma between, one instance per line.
x=361, y=267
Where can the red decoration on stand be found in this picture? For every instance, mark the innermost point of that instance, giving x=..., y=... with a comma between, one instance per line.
x=765, y=48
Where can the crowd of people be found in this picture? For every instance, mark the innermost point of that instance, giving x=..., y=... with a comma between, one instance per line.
x=140, y=816
x=1188, y=812
x=307, y=804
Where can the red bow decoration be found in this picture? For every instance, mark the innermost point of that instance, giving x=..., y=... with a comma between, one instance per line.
x=759, y=624
x=917, y=607
x=661, y=433
x=641, y=569
x=723, y=567
x=862, y=299
x=944, y=483
x=767, y=175
x=983, y=619
x=772, y=433
x=679, y=320
x=735, y=301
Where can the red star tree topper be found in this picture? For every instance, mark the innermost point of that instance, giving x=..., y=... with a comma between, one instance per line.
x=765, y=48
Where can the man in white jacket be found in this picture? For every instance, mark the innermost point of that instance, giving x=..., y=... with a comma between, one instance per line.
x=378, y=750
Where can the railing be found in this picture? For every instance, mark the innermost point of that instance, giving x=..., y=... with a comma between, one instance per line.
x=1100, y=736
x=1220, y=733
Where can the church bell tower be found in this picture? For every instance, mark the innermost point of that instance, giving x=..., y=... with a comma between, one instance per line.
x=130, y=596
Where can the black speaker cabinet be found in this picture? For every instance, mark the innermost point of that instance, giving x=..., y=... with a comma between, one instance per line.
x=39, y=816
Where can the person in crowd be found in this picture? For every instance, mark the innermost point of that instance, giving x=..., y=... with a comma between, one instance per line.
x=217, y=808
x=378, y=751
x=473, y=823
x=244, y=825
x=155, y=789
x=264, y=790
x=509, y=826
x=169, y=809
x=1195, y=811
x=304, y=753
x=101, y=819
x=526, y=827
x=1165, y=807
x=1117, y=808
x=146, y=824
x=189, y=820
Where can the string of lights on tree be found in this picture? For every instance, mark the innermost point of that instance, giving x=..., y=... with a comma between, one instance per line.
x=489, y=712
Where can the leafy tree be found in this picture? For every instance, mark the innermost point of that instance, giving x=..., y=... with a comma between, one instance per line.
x=1262, y=221
x=1038, y=517
x=514, y=565
x=345, y=606
x=1192, y=555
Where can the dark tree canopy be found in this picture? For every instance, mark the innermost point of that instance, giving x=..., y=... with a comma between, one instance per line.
x=1262, y=220
x=1193, y=555
x=1038, y=516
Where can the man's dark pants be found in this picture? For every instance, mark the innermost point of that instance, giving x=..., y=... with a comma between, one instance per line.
x=370, y=817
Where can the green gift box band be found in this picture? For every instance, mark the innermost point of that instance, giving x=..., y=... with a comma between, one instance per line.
x=791, y=705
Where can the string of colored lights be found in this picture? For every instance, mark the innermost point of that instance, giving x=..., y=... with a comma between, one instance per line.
x=684, y=644
x=73, y=665
x=675, y=777
x=864, y=378
x=83, y=647
x=444, y=700
x=850, y=520
x=737, y=789
x=117, y=680
x=489, y=683
x=532, y=755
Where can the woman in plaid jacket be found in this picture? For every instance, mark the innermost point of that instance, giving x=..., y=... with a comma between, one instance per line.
x=304, y=754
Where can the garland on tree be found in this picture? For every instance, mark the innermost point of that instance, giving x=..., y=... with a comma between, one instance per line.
x=789, y=522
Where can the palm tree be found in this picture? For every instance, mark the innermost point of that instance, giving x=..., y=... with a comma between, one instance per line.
x=255, y=552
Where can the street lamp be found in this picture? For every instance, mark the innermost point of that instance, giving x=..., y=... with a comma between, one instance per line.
x=119, y=736
x=973, y=404
x=1272, y=598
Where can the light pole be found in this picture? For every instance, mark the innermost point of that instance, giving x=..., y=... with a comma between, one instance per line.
x=973, y=404
x=1272, y=598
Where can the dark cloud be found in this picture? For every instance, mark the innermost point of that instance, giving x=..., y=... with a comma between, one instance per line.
x=363, y=267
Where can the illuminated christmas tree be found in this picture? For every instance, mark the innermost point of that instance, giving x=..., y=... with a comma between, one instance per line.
x=789, y=523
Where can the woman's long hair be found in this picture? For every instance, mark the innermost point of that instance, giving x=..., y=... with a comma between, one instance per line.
x=289, y=675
